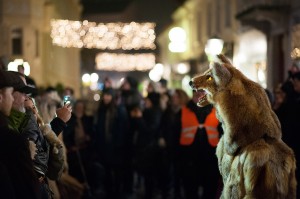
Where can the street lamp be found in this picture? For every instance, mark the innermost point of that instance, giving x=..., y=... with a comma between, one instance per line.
x=13, y=66
x=177, y=36
x=213, y=47
x=90, y=80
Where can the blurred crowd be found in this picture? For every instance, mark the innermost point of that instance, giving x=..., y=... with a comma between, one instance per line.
x=157, y=146
x=286, y=104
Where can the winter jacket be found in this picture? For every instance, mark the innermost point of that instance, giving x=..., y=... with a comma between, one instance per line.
x=17, y=177
x=26, y=124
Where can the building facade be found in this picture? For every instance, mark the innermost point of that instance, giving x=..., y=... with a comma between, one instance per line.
x=25, y=34
x=258, y=35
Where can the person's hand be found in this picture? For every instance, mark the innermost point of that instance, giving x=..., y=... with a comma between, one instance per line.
x=32, y=149
x=64, y=113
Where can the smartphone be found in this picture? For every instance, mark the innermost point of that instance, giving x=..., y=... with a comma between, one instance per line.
x=67, y=99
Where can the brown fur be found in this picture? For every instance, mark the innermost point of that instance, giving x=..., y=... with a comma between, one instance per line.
x=253, y=160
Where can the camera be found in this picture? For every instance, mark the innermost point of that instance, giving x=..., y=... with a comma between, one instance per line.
x=67, y=99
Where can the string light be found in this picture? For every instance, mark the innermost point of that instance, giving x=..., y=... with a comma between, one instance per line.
x=112, y=36
x=295, y=54
x=125, y=62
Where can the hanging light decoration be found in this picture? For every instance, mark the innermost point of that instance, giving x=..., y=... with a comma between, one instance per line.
x=125, y=62
x=111, y=36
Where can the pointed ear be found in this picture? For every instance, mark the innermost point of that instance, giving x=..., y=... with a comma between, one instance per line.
x=221, y=74
x=224, y=59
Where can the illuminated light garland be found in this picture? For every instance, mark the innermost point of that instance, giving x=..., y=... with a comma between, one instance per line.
x=125, y=62
x=112, y=36
x=295, y=54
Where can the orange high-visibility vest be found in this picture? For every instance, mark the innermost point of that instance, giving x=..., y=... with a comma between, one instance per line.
x=190, y=125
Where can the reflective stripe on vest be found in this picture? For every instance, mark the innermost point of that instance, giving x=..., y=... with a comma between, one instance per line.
x=190, y=126
x=211, y=125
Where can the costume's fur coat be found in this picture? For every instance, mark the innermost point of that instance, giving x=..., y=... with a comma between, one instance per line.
x=253, y=160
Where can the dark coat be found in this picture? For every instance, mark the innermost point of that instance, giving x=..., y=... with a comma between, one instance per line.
x=33, y=132
x=111, y=133
x=17, y=177
x=146, y=142
x=69, y=132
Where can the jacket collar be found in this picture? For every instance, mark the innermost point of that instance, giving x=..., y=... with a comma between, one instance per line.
x=16, y=119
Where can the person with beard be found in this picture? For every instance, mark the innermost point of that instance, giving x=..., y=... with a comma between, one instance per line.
x=24, y=122
x=18, y=179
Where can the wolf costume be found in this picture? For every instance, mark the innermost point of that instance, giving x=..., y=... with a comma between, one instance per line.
x=253, y=160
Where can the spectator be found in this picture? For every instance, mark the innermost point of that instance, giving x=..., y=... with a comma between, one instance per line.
x=47, y=103
x=167, y=181
x=111, y=133
x=197, y=135
x=78, y=140
x=288, y=114
x=147, y=123
x=68, y=91
x=25, y=123
x=30, y=82
x=130, y=98
x=18, y=179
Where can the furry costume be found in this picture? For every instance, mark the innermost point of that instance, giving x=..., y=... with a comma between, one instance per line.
x=253, y=160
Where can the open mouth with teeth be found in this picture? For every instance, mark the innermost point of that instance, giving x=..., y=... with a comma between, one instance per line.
x=202, y=95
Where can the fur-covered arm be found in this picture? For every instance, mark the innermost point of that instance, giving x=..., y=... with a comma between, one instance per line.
x=51, y=136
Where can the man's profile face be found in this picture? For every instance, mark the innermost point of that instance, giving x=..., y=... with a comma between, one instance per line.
x=6, y=100
x=19, y=99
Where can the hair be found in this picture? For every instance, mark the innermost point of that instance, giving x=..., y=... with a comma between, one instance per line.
x=70, y=89
x=82, y=101
x=296, y=75
x=21, y=66
x=35, y=110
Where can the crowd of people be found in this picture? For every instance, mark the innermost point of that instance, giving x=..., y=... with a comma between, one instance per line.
x=286, y=105
x=161, y=145
x=133, y=146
